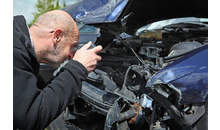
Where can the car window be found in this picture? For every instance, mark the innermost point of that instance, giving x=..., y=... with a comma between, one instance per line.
x=87, y=29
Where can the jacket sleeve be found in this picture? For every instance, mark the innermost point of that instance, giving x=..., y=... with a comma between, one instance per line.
x=34, y=108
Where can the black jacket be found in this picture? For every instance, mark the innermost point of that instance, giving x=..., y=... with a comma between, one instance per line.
x=36, y=105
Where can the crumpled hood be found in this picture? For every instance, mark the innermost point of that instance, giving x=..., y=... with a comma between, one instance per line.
x=99, y=12
x=96, y=11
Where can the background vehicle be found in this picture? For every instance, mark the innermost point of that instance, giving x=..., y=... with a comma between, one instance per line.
x=157, y=78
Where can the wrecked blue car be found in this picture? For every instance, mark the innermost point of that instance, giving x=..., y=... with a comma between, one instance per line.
x=154, y=68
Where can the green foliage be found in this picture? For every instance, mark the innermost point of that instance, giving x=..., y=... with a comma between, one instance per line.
x=43, y=6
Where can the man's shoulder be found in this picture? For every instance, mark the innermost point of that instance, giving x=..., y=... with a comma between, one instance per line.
x=20, y=29
x=21, y=38
x=24, y=56
x=17, y=41
x=19, y=24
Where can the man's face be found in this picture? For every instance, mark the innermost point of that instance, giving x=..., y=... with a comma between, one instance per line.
x=63, y=50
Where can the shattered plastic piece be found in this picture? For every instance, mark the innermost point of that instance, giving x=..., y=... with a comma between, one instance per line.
x=112, y=116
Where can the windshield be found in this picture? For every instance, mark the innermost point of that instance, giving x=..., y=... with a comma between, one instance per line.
x=162, y=23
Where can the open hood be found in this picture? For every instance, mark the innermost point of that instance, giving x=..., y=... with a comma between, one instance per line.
x=129, y=15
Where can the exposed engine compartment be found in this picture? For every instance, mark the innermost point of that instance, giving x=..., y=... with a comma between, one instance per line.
x=117, y=87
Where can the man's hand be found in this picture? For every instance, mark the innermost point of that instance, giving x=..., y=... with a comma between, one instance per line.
x=88, y=58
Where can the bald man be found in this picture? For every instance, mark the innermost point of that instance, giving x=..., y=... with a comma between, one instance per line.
x=50, y=40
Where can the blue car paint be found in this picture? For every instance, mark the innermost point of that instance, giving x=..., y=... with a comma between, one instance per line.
x=117, y=11
x=97, y=11
x=188, y=76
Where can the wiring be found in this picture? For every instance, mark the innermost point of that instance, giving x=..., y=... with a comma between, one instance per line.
x=127, y=44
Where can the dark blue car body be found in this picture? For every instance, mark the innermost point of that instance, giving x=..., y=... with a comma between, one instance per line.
x=187, y=75
x=96, y=11
x=158, y=71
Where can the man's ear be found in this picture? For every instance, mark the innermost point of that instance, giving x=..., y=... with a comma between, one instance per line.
x=57, y=35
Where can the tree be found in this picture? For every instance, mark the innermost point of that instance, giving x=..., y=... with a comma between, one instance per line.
x=44, y=6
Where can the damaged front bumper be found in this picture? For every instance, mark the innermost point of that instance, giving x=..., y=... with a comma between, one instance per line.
x=188, y=76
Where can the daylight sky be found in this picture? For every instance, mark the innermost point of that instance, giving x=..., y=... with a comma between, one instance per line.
x=26, y=8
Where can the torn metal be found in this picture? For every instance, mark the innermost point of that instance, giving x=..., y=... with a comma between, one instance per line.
x=188, y=76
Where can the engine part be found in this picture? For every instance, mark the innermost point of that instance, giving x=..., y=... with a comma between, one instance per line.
x=185, y=46
x=138, y=113
x=180, y=49
x=179, y=116
x=152, y=52
x=114, y=115
x=146, y=101
x=128, y=114
x=109, y=83
x=99, y=99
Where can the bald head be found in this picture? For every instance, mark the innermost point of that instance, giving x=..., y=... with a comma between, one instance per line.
x=57, y=19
